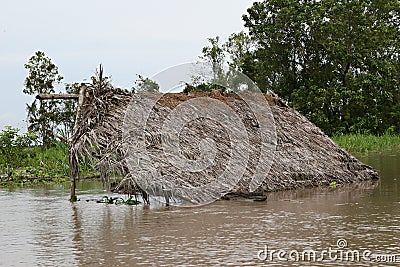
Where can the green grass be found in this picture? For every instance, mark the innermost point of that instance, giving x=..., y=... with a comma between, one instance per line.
x=365, y=143
x=39, y=165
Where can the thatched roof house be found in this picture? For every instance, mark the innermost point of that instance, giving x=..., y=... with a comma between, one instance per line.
x=304, y=156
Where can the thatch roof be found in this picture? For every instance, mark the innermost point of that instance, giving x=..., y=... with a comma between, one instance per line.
x=304, y=155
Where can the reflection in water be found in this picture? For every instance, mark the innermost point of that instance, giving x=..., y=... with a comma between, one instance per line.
x=48, y=223
x=77, y=241
x=40, y=227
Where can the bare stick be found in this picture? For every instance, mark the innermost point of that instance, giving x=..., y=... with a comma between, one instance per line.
x=74, y=165
x=56, y=96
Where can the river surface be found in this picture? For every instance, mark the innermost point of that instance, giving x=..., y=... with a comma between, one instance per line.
x=39, y=227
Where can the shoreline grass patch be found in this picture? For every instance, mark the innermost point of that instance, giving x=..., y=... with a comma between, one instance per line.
x=365, y=143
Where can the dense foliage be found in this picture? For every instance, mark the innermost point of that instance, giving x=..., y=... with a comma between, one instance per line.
x=14, y=148
x=335, y=61
x=42, y=115
x=22, y=162
x=47, y=117
x=145, y=84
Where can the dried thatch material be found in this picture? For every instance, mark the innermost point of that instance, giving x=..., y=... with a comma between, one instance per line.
x=305, y=156
x=98, y=134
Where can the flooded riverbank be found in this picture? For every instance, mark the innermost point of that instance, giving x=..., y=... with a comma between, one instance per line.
x=39, y=227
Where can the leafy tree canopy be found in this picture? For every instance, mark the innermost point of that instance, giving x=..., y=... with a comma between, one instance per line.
x=143, y=84
x=42, y=115
x=335, y=61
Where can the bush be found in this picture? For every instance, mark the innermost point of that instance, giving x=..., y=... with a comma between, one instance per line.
x=15, y=148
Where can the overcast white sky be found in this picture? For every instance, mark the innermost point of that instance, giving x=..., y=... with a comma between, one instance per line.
x=128, y=37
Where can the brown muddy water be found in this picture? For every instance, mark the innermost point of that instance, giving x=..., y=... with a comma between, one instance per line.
x=39, y=227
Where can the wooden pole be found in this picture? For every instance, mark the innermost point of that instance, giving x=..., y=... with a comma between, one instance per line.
x=73, y=165
x=81, y=97
x=57, y=96
x=72, y=156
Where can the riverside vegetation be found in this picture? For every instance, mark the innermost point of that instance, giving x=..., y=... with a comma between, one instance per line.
x=23, y=162
x=366, y=143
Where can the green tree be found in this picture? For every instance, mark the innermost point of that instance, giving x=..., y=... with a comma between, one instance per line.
x=335, y=61
x=67, y=110
x=227, y=60
x=238, y=47
x=143, y=84
x=13, y=147
x=214, y=54
x=42, y=115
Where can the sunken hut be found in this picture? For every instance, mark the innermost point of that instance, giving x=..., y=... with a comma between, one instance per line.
x=303, y=155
